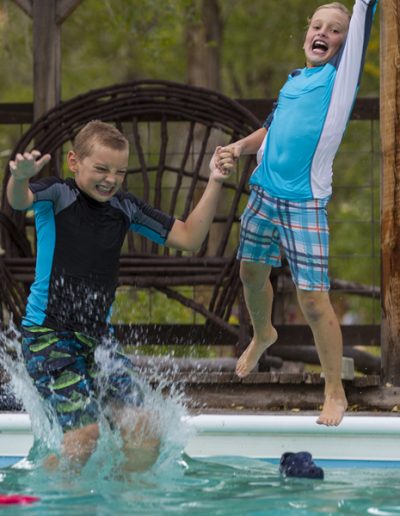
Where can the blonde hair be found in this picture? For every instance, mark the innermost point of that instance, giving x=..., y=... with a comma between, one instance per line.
x=333, y=5
x=97, y=131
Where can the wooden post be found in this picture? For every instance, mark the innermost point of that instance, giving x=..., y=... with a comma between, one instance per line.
x=47, y=16
x=390, y=188
x=46, y=57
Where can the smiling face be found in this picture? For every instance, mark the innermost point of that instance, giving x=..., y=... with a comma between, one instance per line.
x=326, y=34
x=100, y=174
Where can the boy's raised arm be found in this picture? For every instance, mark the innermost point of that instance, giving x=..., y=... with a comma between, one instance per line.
x=22, y=169
x=189, y=235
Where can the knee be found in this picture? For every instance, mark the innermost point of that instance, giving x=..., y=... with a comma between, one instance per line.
x=92, y=433
x=140, y=432
x=254, y=276
x=141, y=444
x=79, y=444
x=313, y=305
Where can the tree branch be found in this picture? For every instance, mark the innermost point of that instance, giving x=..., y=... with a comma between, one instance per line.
x=64, y=8
x=26, y=6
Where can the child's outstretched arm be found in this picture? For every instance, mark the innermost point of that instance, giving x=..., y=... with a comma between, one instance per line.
x=247, y=145
x=189, y=235
x=22, y=169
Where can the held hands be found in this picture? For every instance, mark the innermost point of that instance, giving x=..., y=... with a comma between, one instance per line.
x=28, y=165
x=223, y=162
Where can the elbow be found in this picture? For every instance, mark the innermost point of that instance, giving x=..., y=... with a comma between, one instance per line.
x=18, y=206
x=12, y=202
x=194, y=248
x=185, y=236
x=20, y=203
x=191, y=246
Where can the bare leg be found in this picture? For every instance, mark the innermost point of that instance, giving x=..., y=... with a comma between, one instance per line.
x=141, y=442
x=78, y=446
x=258, y=295
x=319, y=314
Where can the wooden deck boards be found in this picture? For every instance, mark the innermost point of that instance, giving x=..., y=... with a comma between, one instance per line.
x=275, y=391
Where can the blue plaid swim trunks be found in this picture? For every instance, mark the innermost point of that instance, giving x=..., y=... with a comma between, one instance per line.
x=63, y=368
x=300, y=229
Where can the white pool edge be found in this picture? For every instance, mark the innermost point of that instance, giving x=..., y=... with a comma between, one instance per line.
x=358, y=438
x=293, y=424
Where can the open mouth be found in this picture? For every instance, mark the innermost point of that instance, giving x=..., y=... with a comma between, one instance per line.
x=104, y=190
x=319, y=46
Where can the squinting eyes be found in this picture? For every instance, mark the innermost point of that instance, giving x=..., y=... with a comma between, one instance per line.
x=105, y=171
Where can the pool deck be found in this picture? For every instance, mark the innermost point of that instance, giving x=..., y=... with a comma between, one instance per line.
x=220, y=391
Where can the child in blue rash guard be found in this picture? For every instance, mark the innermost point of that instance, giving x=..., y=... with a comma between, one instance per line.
x=81, y=224
x=291, y=186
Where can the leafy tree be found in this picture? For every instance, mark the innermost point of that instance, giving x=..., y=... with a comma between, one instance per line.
x=106, y=41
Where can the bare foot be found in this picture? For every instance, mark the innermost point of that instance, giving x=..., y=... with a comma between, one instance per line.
x=251, y=355
x=332, y=411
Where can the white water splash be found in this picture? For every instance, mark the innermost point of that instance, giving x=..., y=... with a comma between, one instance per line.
x=165, y=411
x=46, y=430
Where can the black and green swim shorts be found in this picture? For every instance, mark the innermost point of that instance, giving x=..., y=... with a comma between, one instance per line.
x=63, y=368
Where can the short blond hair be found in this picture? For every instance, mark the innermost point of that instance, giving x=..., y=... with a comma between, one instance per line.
x=97, y=131
x=335, y=5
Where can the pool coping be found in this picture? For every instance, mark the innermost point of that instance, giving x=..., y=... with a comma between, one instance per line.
x=368, y=438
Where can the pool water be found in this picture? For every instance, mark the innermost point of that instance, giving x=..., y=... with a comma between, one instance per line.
x=219, y=486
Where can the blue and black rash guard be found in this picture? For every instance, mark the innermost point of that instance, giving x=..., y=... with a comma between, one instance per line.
x=307, y=125
x=79, y=242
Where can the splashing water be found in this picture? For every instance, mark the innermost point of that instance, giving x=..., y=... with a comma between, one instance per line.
x=164, y=413
x=46, y=431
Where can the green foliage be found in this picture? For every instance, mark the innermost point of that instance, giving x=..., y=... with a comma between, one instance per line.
x=173, y=351
x=15, y=54
x=138, y=306
x=115, y=41
x=105, y=42
x=142, y=306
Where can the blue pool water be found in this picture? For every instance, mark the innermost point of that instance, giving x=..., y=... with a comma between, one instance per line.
x=221, y=486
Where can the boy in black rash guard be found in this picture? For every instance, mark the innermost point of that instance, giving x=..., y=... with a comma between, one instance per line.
x=81, y=224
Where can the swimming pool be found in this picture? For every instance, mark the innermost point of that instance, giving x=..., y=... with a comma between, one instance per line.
x=229, y=467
